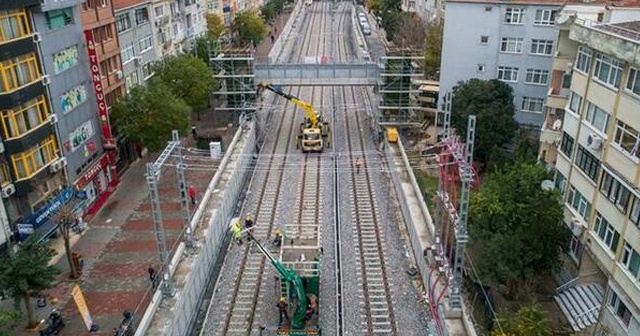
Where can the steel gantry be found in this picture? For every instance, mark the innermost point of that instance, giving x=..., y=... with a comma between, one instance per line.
x=153, y=176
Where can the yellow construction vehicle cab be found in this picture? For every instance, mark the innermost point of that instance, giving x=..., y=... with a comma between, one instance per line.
x=313, y=134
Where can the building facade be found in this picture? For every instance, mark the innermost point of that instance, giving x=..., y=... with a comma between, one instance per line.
x=598, y=165
x=31, y=166
x=135, y=33
x=177, y=23
x=512, y=42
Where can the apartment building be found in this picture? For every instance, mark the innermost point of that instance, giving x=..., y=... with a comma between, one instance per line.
x=509, y=41
x=29, y=148
x=427, y=10
x=135, y=33
x=98, y=19
x=177, y=24
x=598, y=166
x=214, y=7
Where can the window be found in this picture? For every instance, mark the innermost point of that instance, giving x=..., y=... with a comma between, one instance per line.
x=142, y=16
x=620, y=309
x=597, y=117
x=511, y=45
x=566, y=81
x=123, y=22
x=146, y=43
x=631, y=260
x=481, y=67
x=575, y=248
x=127, y=53
x=487, y=8
x=608, y=70
x=103, y=34
x=633, y=82
x=575, y=103
x=28, y=163
x=18, y=72
x=537, y=76
x=579, y=203
x=484, y=39
x=147, y=70
x=615, y=191
x=514, y=16
x=545, y=17
x=606, y=232
x=132, y=80
x=532, y=104
x=22, y=119
x=566, y=146
x=13, y=24
x=634, y=213
x=541, y=47
x=59, y=18
x=583, y=59
x=159, y=11
x=561, y=182
x=627, y=138
x=588, y=163
x=508, y=74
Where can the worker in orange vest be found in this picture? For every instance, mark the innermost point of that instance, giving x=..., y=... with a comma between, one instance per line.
x=358, y=165
x=192, y=194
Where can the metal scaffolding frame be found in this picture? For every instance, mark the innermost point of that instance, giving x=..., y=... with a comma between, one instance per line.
x=233, y=67
x=398, y=70
x=153, y=177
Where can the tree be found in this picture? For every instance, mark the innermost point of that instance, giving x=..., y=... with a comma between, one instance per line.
x=8, y=319
x=148, y=114
x=272, y=9
x=66, y=217
x=189, y=78
x=373, y=6
x=215, y=26
x=492, y=103
x=516, y=226
x=248, y=27
x=530, y=320
x=26, y=273
x=433, y=49
x=410, y=31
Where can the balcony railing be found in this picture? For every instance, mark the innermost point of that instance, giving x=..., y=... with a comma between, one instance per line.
x=554, y=119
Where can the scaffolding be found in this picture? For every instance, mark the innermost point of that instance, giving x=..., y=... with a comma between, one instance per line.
x=233, y=68
x=399, y=69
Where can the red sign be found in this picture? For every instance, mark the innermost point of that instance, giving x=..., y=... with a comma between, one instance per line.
x=92, y=172
x=99, y=89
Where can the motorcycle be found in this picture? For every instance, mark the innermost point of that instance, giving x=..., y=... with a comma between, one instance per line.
x=53, y=324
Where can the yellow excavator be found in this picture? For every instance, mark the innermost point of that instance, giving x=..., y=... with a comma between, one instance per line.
x=313, y=134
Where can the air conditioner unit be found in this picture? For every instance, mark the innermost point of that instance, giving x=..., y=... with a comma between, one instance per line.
x=119, y=74
x=36, y=37
x=46, y=80
x=137, y=60
x=569, y=68
x=58, y=165
x=8, y=190
x=53, y=118
x=594, y=141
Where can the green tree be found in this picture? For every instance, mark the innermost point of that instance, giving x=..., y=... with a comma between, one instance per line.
x=272, y=9
x=8, y=320
x=26, y=273
x=373, y=6
x=66, y=217
x=189, y=78
x=530, y=320
x=491, y=101
x=148, y=114
x=201, y=49
x=410, y=32
x=433, y=49
x=215, y=26
x=516, y=226
x=248, y=27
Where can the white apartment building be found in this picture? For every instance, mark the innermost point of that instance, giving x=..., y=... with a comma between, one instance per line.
x=593, y=116
x=177, y=23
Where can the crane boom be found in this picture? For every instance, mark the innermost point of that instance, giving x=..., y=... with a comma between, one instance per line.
x=289, y=275
x=311, y=113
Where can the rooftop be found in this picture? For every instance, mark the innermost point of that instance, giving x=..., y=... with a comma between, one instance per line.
x=122, y=4
x=610, y=3
x=629, y=29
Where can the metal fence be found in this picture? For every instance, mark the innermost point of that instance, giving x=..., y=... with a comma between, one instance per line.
x=186, y=307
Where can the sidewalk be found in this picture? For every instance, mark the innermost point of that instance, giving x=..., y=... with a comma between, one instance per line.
x=263, y=49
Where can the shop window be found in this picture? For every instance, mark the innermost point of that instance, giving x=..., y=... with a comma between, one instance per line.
x=13, y=25
x=24, y=118
x=59, y=18
x=65, y=59
x=28, y=163
x=19, y=72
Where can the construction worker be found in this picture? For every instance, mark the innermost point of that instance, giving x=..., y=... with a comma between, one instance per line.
x=277, y=240
x=358, y=165
x=282, y=308
x=192, y=194
x=248, y=221
x=236, y=229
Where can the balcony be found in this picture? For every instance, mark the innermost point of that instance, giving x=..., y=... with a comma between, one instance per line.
x=108, y=47
x=94, y=17
x=562, y=62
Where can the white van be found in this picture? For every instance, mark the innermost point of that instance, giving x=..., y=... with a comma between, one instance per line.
x=366, y=30
x=363, y=20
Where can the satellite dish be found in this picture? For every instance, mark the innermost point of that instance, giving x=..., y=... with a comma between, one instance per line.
x=547, y=185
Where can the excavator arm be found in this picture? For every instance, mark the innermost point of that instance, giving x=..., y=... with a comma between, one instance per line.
x=311, y=113
x=289, y=275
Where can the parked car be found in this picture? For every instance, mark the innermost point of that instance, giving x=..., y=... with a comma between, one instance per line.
x=366, y=30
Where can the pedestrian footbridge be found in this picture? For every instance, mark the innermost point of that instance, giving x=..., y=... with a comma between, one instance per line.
x=318, y=74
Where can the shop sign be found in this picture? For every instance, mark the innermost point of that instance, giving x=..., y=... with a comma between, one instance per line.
x=92, y=172
x=25, y=229
x=80, y=135
x=41, y=216
x=65, y=59
x=109, y=141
